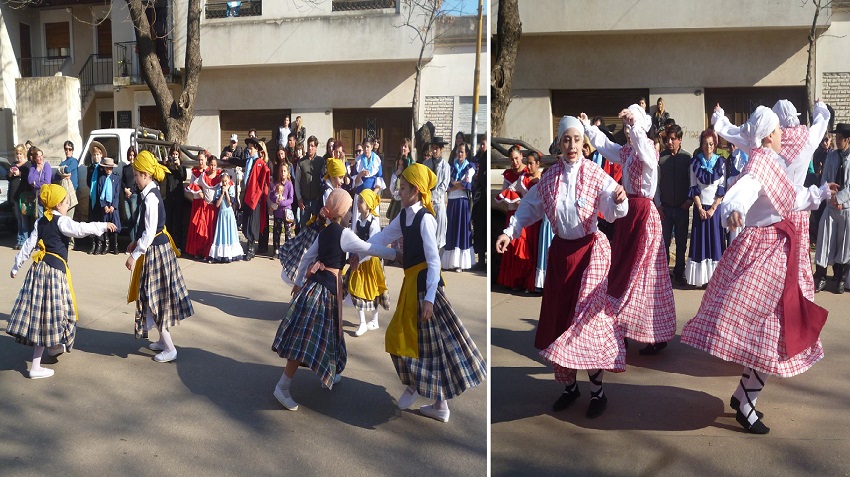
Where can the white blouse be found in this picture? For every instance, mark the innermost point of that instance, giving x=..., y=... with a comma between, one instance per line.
x=67, y=226
x=645, y=151
x=569, y=224
x=350, y=243
x=749, y=200
x=467, y=177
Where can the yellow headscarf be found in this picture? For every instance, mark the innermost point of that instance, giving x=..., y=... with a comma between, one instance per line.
x=146, y=162
x=371, y=199
x=424, y=179
x=51, y=195
x=335, y=168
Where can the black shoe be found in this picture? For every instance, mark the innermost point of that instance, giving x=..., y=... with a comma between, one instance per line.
x=736, y=405
x=652, y=349
x=566, y=399
x=93, y=246
x=757, y=427
x=597, y=406
x=841, y=284
x=820, y=284
x=101, y=246
x=113, y=244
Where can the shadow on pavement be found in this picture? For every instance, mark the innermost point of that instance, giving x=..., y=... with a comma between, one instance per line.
x=237, y=305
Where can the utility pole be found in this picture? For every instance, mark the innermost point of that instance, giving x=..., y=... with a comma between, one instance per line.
x=477, y=75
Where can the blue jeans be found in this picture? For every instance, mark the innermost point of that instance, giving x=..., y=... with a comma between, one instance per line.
x=676, y=221
x=129, y=207
x=22, y=221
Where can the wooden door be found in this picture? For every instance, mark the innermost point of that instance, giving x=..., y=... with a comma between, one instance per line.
x=390, y=125
x=26, y=51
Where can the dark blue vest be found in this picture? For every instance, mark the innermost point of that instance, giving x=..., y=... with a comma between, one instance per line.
x=331, y=254
x=363, y=230
x=54, y=242
x=414, y=248
x=160, y=222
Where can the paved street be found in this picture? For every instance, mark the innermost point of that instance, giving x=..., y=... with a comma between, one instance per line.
x=667, y=414
x=111, y=410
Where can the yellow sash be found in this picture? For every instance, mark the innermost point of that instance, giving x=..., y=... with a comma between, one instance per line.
x=136, y=277
x=39, y=256
x=367, y=281
x=402, y=333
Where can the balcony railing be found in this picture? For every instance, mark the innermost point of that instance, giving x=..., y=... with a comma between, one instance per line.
x=97, y=70
x=354, y=5
x=42, y=66
x=126, y=57
x=244, y=8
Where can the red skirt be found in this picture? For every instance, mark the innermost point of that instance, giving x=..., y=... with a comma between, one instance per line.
x=577, y=329
x=800, y=219
x=517, y=261
x=532, y=240
x=639, y=285
x=201, y=229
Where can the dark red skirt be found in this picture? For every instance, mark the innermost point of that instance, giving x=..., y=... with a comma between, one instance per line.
x=201, y=229
x=629, y=237
x=517, y=261
x=565, y=267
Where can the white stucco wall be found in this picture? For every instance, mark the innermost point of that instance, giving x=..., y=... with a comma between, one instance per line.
x=529, y=117
x=205, y=131
x=53, y=113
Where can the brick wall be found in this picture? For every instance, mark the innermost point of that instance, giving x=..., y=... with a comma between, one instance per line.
x=440, y=111
x=836, y=93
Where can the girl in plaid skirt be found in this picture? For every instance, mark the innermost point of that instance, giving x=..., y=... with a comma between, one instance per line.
x=311, y=331
x=45, y=312
x=366, y=282
x=157, y=286
x=755, y=313
x=432, y=352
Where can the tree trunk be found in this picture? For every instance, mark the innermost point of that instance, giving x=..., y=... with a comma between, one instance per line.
x=810, y=66
x=176, y=114
x=508, y=33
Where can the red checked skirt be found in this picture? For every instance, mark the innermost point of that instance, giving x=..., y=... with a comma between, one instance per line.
x=577, y=329
x=800, y=219
x=639, y=287
x=740, y=317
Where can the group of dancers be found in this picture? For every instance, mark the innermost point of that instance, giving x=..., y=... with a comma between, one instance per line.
x=757, y=310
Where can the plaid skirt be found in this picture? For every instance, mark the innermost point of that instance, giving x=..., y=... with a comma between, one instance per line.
x=645, y=310
x=162, y=291
x=449, y=363
x=43, y=314
x=309, y=333
x=800, y=219
x=740, y=317
x=292, y=250
x=373, y=272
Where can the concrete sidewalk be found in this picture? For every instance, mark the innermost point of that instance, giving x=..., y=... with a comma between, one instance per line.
x=667, y=414
x=111, y=410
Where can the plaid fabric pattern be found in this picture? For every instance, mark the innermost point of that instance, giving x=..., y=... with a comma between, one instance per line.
x=594, y=340
x=646, y=311
x=793, y=141
x=309, y=333
x=589, y=181
x=633, y=167
x=292, y=250
x=740, y=317
x=774, y=181
x=163, y=291
x=800, y=219
x=564, y=375
x=449, y=363
x=43, y=313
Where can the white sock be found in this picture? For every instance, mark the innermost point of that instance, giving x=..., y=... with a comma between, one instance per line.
x=362, y=315
x=739, y=392
x=284, y=381
x=36, y=357
x=751, y=388
x=595, y=377
x=165, y=338
x=375, y=316
x=441, y=405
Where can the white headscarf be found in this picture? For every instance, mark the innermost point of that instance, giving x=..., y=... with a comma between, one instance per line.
x=787, y=113
x=642, y=119
x=762, y=122
x=568, y=122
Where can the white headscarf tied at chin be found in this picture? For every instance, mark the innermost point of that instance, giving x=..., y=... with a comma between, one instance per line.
x=762, y=122
x=568, y=122
x=642, y=120
x=787, y=113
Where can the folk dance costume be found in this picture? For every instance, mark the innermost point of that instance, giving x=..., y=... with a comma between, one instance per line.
x=157, y=286
x=438, y=196
x=737, y=161
x=255, y=217
x=311, y=330
x=225, y=245
x=374, y=178
x=707, y=241
x=545, y=238
x=577, y=328
x=203, y=216
x=516, y=264
x=293, y=250
x=798, y=145
x=833, y=245
x=45, y=313
x=367, y=284
x=458, y=253
x=639, y=286
x=754, y=313
x=436, y=358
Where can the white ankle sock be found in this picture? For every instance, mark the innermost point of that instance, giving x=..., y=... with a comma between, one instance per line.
x=284, y=382
x=362, y=315
x=595, y=377
x=750, y=388
x=165, y=338
x=441, y=405
x=36, y=357
x=375, y=316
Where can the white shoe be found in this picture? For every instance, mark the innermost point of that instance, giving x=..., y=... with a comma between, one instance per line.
x=373, y=324
x=57, y=350
x=285, y=399
x=165, y=356
x=407, y=399
x=41, y=373
x=361, y=330
x=337, y=379
x=438, y=414
x=156, y=346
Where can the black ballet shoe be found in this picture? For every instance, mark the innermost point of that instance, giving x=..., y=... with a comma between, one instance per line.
x=757, y=427
x=652, y=349
x=736, y=405
x=597, y=406
x=566, y=399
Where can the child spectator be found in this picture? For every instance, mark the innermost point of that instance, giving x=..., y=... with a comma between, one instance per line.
x=108, y=185
x=280, y=201
x=225, y=244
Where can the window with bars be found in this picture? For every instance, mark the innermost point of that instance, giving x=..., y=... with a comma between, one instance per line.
x=57, y=38
x=353, y=5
